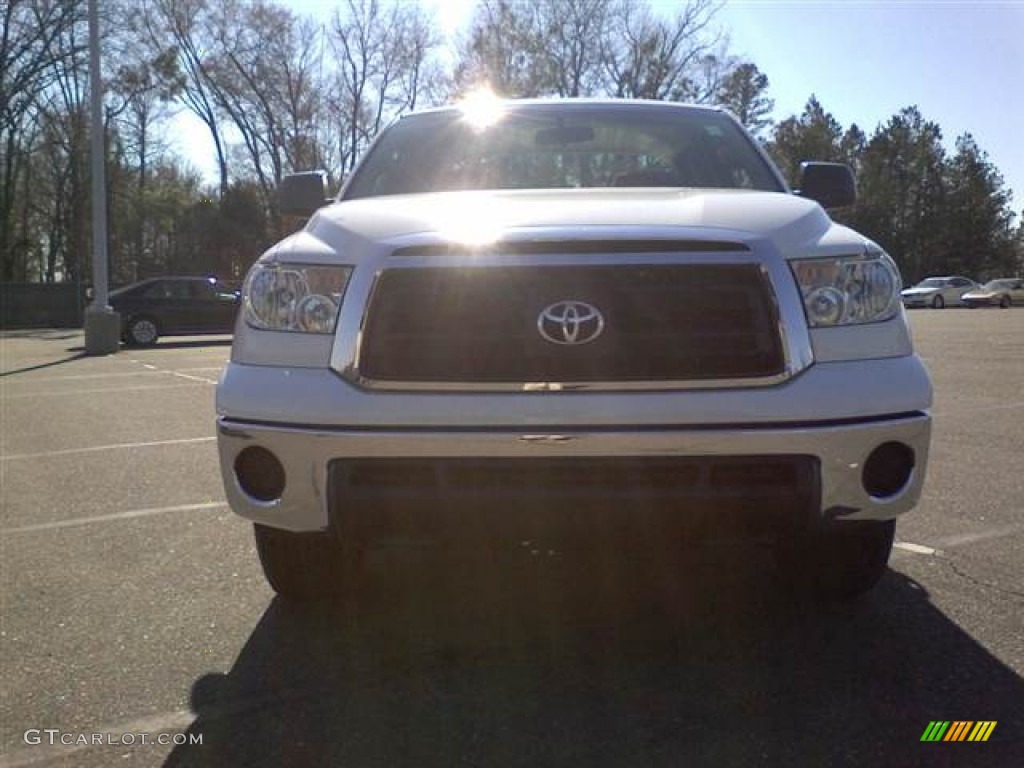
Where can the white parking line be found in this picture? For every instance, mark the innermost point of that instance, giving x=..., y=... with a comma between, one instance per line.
x=75, y=522
x=971, y=538
x=181, y=375
x=152, y=371
x=79, y=377
x=959, y=540
x=917, y=549
x=64, y=393
x=111, y=447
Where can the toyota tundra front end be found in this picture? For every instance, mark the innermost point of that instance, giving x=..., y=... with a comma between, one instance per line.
x=562, y=319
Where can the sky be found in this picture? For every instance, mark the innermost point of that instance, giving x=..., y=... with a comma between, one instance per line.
x=960, y=62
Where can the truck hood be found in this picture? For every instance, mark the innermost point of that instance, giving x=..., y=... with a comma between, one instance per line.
x=795, y=225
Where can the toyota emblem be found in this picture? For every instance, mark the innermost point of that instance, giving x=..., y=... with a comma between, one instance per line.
x=570, y=323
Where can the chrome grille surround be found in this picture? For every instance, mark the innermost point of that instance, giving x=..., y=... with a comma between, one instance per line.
x=787, y=303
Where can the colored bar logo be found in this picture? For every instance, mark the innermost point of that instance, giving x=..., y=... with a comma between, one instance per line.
x=958, y=730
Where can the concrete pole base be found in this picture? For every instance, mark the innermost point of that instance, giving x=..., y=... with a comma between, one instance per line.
x=102, y=331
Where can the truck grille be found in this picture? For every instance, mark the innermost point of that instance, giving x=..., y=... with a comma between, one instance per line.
x=662, y=323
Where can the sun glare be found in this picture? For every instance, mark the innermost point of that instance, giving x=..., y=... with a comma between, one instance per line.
x=482, y=108
x=473, y=222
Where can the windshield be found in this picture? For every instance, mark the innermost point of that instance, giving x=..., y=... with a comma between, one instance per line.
x=998, y=285
x=933, y=282
x=556, y=146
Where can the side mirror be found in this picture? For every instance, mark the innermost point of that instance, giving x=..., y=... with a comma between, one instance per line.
x=301, y=194
x=830, y=184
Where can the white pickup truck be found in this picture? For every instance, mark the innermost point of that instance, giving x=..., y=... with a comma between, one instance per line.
x=552, y=320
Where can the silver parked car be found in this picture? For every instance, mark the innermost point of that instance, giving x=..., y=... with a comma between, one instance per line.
x=938, y=292
x=996, y=293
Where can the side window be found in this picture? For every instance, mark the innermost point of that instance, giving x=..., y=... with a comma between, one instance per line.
x=179, y=289
x=157, y=290
x=202, y=289
x=961, y=281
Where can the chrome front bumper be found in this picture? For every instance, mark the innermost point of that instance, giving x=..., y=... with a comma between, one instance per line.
x=327, y=419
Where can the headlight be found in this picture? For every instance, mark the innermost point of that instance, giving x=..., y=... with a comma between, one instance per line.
x=848, y=290
x=294, y=297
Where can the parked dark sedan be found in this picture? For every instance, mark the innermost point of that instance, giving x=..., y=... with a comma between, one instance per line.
x=168, y=306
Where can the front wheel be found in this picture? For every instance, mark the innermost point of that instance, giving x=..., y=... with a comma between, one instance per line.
x=141, y=332
x=938, y=302
x=838, y=562
x=1004, y=302
x=302, y=567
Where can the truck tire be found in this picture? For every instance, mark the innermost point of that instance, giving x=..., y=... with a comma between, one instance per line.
x=303, y=567
x=839, y=562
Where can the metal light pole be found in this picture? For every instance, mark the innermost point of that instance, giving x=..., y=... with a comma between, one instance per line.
x=102, y=324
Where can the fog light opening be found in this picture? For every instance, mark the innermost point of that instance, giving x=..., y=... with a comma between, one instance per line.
x=259, y=474
x=887, y=470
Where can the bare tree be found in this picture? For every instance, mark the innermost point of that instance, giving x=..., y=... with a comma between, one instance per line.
x=574, y=30
x=140, y=92
x=650, y=57
x=34, y=52
x=301, y=99
x=65, y=109
x=384, y=57
x=504, y=49
x=535, y=47
x=244, y=71
x=186, y=24
x=591, y=47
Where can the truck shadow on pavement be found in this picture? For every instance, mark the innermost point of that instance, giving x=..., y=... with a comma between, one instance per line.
x=552, y=661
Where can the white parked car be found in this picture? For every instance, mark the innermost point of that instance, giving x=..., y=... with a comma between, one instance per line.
x=572, y=321
x=938, y=292
x=1004, y=293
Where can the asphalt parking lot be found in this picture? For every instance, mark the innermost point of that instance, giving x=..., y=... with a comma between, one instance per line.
x=132, y=603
